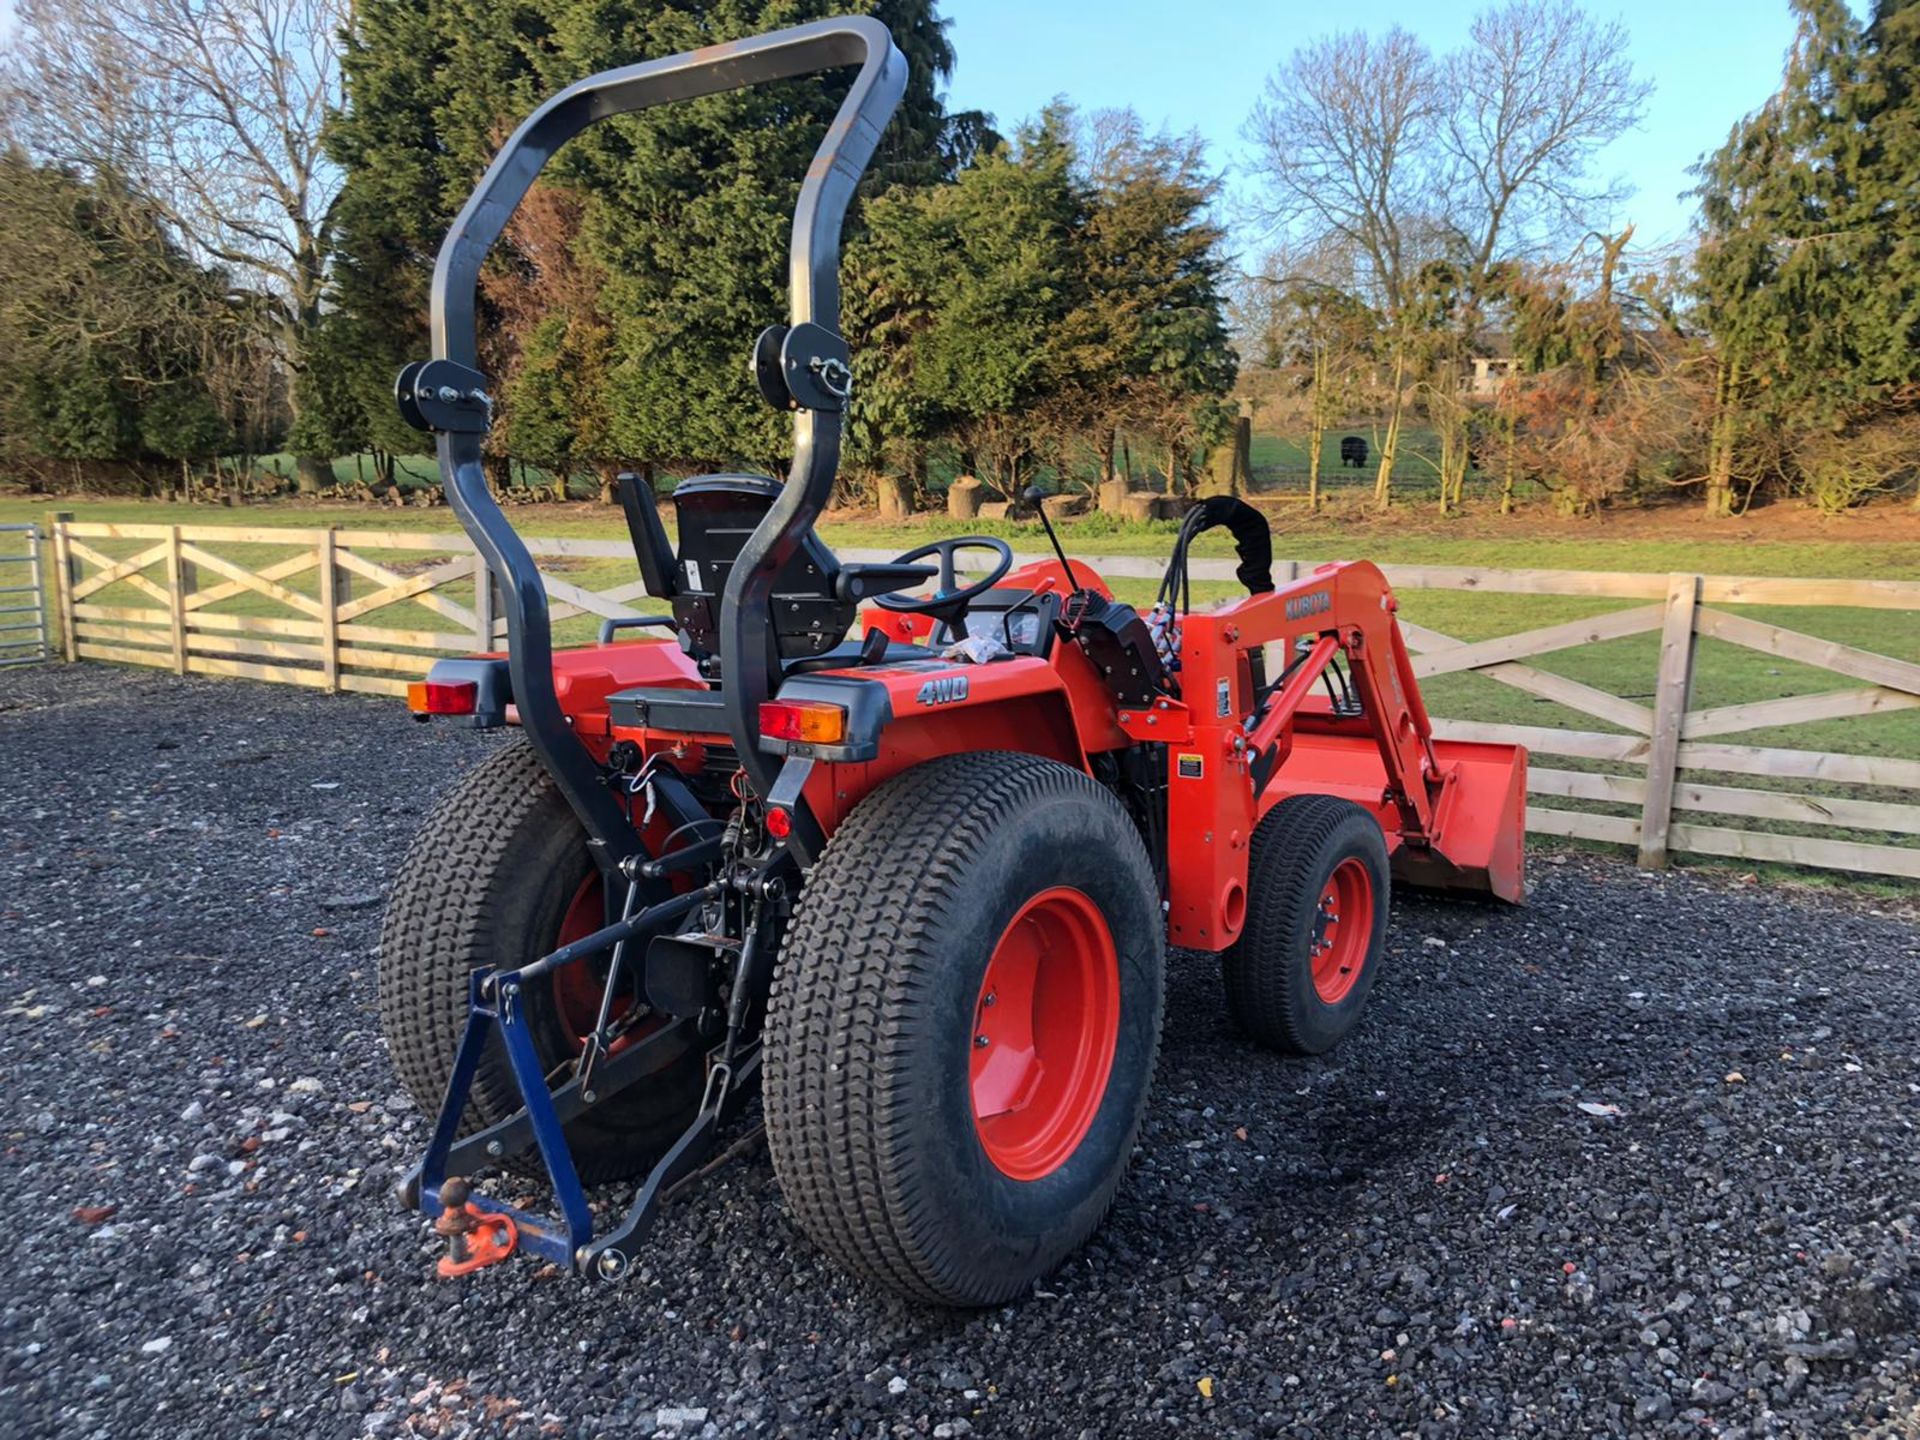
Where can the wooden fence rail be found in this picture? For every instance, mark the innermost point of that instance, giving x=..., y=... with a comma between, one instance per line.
x=367, y=610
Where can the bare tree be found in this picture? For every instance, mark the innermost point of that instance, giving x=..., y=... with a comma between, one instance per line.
x=212, y=109
x=1346, y=140
x=1433, y=172
x=1539, y=89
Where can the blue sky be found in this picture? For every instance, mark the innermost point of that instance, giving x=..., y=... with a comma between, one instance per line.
x=1200, y=64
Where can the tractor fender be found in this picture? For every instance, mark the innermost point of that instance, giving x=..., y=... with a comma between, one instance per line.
x=885, y=703
x=1026, y=714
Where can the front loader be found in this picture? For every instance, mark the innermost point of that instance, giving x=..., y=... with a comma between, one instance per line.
x=899, y=848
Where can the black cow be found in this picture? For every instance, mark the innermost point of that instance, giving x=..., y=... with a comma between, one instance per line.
x=1353, y=451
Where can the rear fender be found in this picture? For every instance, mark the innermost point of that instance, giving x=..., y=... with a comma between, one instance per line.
x=938, y=709
x=883, y=701
x=584, y=677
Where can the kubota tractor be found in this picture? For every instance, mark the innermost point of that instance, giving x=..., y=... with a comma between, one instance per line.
x=908, y=871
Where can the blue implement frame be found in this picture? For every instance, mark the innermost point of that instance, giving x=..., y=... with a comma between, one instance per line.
x=494, y=1006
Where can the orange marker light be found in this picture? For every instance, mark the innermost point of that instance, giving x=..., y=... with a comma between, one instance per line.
x=433, y=697
x=812, y=721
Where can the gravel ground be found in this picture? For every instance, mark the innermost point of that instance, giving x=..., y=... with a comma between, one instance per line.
x=1427, y=1234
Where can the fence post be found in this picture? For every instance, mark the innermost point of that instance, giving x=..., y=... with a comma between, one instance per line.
x=37, y=568
x=330, y=607
x=63, y=576
x=1669, y=711
x=486, y=605
x=177, y=598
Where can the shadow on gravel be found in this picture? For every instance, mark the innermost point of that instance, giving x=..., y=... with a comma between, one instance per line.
x=1422, y=1234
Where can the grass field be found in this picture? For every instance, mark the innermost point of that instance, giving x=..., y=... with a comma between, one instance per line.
x=1724, y=674
x=1858, y=546
x=1280, y=467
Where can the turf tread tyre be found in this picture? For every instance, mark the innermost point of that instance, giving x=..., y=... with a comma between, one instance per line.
x=854, y=1003
x=493, y=866
x=1268, y=971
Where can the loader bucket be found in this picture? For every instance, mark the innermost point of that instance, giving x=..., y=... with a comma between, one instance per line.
x=1480, y=817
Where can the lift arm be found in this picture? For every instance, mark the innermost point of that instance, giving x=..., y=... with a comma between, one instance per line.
x=1357, y=612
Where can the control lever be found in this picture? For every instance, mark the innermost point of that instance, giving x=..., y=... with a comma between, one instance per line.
x=1034, y=498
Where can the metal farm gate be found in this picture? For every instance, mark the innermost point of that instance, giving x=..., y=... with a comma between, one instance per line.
x=23, y=613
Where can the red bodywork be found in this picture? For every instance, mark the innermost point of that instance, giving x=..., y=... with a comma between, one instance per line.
x=1453, y=812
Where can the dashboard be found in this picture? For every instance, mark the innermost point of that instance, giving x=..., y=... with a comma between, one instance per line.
x=1018, y=618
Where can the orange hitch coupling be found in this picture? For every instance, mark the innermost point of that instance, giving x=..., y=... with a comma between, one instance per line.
x=474, y=1238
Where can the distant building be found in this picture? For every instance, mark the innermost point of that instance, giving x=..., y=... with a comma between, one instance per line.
x=1490, y=367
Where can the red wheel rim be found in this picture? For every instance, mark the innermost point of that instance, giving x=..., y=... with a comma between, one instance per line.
x=1342, y=931
x=1045, y=1027
x=577, y=987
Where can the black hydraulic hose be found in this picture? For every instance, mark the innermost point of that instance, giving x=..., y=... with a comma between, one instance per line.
x=1252, y=541
x=1252, y=538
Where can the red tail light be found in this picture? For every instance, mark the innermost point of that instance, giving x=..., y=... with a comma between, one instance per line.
x=435, y=697
x=812, y=721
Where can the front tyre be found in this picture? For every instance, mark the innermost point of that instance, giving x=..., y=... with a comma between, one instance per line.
x=1299, y=975
x=963, y=1026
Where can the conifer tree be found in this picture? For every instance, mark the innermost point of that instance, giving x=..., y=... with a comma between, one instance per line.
x=1808, y=269
x=685, y=209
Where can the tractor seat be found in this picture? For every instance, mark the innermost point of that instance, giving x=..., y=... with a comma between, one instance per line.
x=717, y=513
x=814, y=595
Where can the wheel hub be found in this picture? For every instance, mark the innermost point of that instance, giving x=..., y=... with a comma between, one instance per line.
x=1342, y=931
x=1045, y=1028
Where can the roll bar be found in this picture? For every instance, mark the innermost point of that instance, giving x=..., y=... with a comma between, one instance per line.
x=448, y=395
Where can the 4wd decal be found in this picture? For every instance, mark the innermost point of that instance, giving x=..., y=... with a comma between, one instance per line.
x=1312, y=603
x=943, y=690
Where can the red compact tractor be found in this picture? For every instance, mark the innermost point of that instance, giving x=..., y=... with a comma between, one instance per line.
x=899, y=847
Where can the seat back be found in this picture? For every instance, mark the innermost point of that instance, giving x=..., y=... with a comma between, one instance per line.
x=716, y=514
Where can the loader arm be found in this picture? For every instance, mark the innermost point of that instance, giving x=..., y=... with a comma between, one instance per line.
x=1452, y=812
x=1358, y=611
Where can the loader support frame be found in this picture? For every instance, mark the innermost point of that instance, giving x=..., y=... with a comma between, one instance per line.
x=495, y=1006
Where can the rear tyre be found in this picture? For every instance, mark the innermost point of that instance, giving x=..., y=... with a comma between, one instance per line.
x=1299, y=976
x=963, y=1026
x=499, y=875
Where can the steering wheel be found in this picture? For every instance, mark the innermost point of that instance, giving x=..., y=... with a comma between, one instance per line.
x=947, y=602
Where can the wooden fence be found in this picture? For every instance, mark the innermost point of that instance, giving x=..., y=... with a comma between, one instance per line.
x=317, y=608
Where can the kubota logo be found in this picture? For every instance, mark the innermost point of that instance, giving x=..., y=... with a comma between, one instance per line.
x=1301, y=606
x=943, y=691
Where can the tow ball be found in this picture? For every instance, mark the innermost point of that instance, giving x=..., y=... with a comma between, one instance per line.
x=474, y=1238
